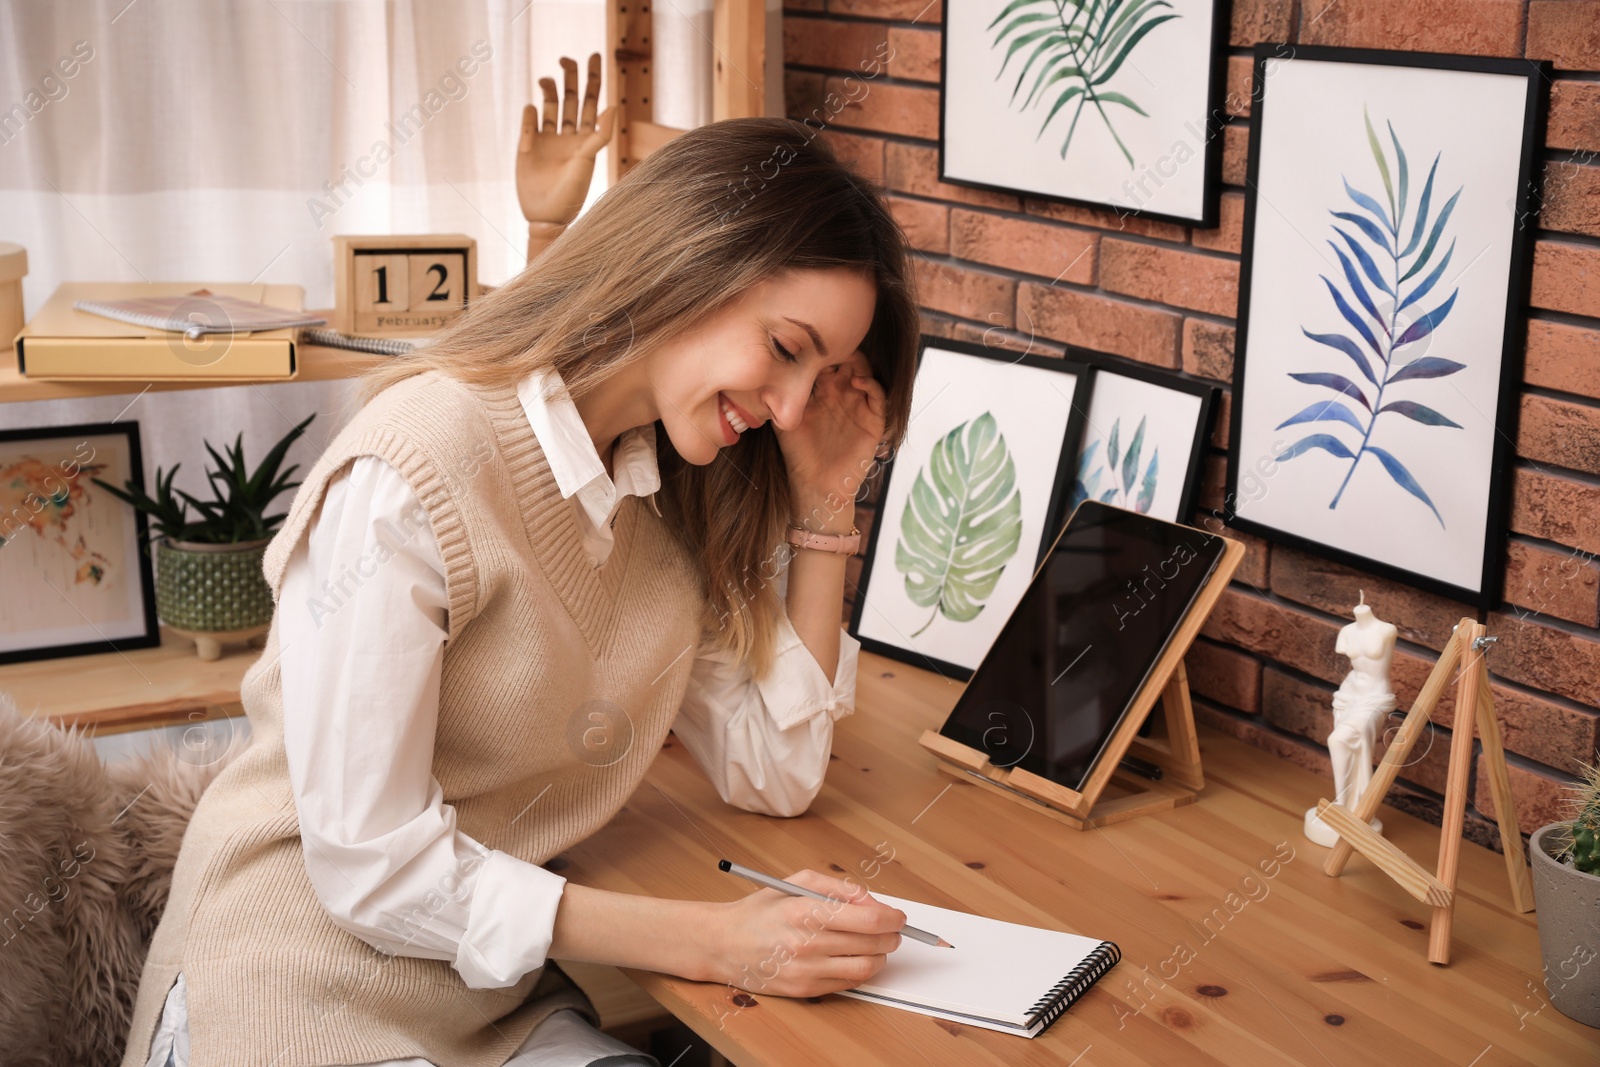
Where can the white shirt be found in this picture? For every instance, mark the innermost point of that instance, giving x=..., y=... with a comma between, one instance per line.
x=360, y=703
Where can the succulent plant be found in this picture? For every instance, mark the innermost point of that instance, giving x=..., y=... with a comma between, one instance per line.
x=241, y=497
x=1585, y=848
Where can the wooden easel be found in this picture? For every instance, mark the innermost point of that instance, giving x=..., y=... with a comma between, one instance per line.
x=1474, y=705
x=1112, y=795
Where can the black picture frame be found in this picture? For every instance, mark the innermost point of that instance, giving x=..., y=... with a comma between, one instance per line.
x=1519, y=276
x=150, y=636
x=1206, y=391
x=1054, y=520
x=1216, y=119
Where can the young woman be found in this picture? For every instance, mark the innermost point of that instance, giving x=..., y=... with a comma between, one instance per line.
x=487, y=624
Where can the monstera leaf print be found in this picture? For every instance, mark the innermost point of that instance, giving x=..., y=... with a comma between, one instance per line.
x=962, y=522
x=1123, y=468
x=1388, y=268
x=1077, y=46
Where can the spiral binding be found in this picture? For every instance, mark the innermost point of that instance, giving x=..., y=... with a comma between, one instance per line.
x=1077, y=982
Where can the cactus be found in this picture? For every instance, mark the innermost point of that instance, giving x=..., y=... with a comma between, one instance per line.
x=1585, y=848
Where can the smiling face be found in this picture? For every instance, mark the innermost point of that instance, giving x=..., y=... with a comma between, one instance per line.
x=738, y=355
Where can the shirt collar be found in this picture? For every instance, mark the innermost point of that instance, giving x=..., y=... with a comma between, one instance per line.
x=570, y=450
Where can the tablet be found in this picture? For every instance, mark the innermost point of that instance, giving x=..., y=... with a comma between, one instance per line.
x=1072, y=657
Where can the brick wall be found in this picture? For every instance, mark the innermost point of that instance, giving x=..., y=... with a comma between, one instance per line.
x=1007, y=269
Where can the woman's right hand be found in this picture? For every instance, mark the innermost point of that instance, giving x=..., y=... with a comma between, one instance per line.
x=771, y=942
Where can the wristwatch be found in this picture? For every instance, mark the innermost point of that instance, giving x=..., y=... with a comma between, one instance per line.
x=844, y=544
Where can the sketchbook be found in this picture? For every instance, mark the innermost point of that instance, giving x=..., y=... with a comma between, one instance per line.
x=1000, y=976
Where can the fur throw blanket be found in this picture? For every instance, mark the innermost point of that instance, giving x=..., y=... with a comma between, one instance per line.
x=86, y=857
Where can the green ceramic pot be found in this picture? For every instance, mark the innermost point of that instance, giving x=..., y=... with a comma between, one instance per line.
x=212, y=588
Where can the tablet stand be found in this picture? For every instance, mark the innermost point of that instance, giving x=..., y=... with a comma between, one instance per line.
x=1465, y=648
x=1111, y=794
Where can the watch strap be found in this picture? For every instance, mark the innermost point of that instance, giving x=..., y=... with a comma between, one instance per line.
x=844, y=544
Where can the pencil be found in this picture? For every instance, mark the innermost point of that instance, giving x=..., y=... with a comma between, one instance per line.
x=800, y=891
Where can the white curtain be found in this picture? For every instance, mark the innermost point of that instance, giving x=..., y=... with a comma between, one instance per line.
x=196, y=140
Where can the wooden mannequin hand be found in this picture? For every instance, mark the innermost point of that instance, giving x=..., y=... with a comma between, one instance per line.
x=554, y=168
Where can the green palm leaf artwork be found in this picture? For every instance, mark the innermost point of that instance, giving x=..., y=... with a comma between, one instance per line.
x=1124, y=469
x=1385, y=273
x=1076, y=47
x=962, y=522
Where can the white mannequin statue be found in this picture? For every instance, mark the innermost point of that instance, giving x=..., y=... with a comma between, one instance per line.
x=1361, y=702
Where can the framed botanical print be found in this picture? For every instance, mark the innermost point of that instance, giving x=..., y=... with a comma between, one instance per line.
x=1094, y=102
x=1144, y=439
x=1385, y=276
x=970, y=503
x=75, y=574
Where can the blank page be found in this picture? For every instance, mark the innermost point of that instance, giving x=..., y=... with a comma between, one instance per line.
x=997, y=970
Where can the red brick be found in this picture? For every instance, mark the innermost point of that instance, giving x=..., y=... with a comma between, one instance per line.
x=1574, y=117
x=1235, y=154
x=1225, y=675
x=1566, y=32
x=1556, y=508
x=1539, y=795
x=899, y=109
x=1252, y=732
x=1293, y=704
x=1423, y=618
x=921, y=11
x=1481, y=27
x=1428, y=762
x=1543, y=657
x=863, y=155
x=1208, y=349
x=1221, y=421
x=1108, y=220
x=1542, y=728
x=971, y=294
x=802, y=93
x=832, y=43
x=1564, y=357
x=1566, y=277
x=1260, y=20
x=915, y=169
x=1570, y=197
x=1564, y=583
x=1278, y=632
x=1560, y=432
x=802, y=5
x=1228, y=236
x=914, y=54
x=1050, y=251
x=927, y=225
x=1093, y=321
x=1241, y=72
x=938, y=326
x=1170, y=276
x=1010, y=340
x=1255, y=566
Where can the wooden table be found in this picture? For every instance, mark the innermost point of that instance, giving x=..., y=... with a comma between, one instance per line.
x=1298, y=968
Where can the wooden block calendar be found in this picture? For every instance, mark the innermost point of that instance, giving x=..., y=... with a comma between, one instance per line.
x=403, y=285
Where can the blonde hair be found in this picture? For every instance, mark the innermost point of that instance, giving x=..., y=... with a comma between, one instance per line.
x=698, y=222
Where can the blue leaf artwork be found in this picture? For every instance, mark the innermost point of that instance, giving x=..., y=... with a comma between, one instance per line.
x=1386, y=265
x=1131, y=486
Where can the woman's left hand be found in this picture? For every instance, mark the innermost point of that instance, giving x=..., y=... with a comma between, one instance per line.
x=832, y=449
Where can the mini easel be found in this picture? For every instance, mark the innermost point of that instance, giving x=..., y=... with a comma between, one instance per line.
x=1474, y=706
x=1110, y=794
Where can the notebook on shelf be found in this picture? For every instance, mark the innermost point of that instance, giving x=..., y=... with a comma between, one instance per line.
x=1000, y=976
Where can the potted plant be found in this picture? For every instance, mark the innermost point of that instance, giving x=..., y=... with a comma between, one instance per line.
x=209, y=585
x=1566, y=890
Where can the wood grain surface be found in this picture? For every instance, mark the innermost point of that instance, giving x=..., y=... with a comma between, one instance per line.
x=1237, y=948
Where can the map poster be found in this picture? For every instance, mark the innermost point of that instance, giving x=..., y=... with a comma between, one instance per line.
x=73, y=578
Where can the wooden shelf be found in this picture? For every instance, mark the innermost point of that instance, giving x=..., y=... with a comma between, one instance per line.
x=315, y=364
x=114, y=692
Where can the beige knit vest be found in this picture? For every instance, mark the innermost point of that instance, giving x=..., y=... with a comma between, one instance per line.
x=539, y=643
